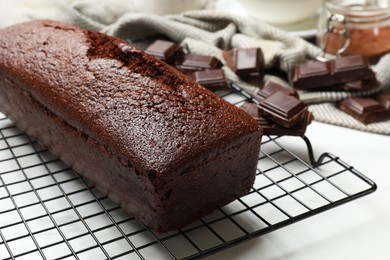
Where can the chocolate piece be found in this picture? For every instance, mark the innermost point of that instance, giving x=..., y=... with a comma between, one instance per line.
x=383, y=98
x=211, y=79
x=353, y=86
x=193, y=62
x=271, y=128
x=351, y=68
x=311, y=75
x=252, y=109
x=365, y=109
x=247, y=61
x=283, y=109
x=317, y=75
x=166, y=51
x=271, y=87
x=248, y=64
x=254, y=79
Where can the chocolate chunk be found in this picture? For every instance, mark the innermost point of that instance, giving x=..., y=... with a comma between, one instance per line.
x=252, y=109
x=211, y=79
x=247, y=61
x=165, y=50
x=193, y=62
x=311, y=75
x=352, y=86
x=271, y=87
x=283, y=109
x=317, y=75
x=271, y=128
x=365, y=109
x=383, y=98
x=248, y=64
x=254, y=79
x=351, y=68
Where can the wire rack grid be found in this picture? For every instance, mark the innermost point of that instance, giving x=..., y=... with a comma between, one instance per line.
x=48, y=211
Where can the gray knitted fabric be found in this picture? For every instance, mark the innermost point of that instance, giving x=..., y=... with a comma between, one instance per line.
x=203, y=32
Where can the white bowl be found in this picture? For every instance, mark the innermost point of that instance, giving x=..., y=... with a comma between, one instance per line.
x=280, y=11
x=169, y=6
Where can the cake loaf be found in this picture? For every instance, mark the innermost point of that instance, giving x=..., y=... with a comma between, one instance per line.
x=163, y=147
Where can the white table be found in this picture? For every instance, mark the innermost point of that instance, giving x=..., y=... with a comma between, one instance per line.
x=357, y=230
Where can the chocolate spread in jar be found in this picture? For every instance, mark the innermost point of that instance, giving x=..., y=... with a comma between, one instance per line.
x=346, y=29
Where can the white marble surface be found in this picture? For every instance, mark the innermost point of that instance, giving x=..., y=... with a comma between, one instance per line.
x=357, y=230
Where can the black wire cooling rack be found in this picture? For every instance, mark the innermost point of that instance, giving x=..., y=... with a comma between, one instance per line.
x=47, y=211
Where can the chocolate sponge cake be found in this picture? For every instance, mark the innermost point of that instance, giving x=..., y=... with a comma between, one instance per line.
x=166, y=149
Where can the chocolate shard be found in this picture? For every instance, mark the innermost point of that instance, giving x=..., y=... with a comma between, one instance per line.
x=211, y=79
x=248, y=64
x=248, y=61
x=383, y=98
x=351, y=68
x=283, y=109
x=317, y=75
x=353, y=86
x=166, y=51
x=252, y=109
x=271, y=128
x=193, y=62
x=271, y=87
x=312, y=75
x=365, y=109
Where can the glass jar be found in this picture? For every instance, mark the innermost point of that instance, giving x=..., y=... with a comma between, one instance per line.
x=349, y=27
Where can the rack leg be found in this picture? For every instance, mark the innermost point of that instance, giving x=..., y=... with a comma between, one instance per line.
x=315, y=163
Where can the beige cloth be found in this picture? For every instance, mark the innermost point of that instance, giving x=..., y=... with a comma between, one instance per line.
x=203, y=32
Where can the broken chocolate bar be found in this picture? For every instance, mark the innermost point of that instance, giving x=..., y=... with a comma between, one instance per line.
x=166, y=51
x=193, y=62
x=317, y=75
x=365, y=109
x=211, y=79
x=283, y=109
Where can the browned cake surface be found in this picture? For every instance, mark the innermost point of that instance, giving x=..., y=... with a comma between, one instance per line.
x=124, y=108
